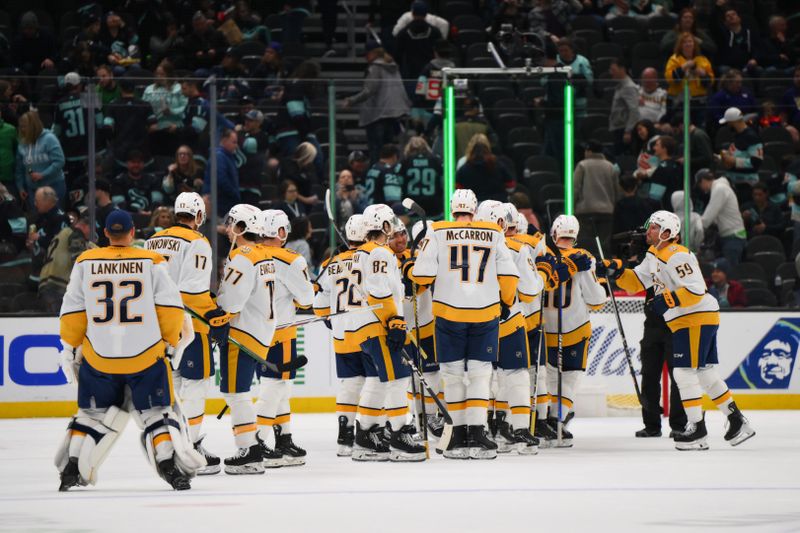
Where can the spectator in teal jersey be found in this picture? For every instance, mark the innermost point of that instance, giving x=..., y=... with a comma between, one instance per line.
x=40, y=159
x=582, y=75
x=743, y=157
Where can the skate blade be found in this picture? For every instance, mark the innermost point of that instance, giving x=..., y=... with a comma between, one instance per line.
x=565, y=443
x=524, y=449
x=273, y=463
x=293, y=461
x=481, y=454
x=742, y=436
x=460, y=453
x=698, y=445
x=544, y=444
x=369, y=456
x=344, y=451
x=209, y=470
x=244, y=470
x=405, y=457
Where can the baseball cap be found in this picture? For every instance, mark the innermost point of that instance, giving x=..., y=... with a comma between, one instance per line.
x=371, y=45
x=357, y=155
x=72, y=78
x=732, y=114
x=703, y=173
x=275, y=45
x=255, y=114
x=119, y=221
x=419, y=8
x=723, y=265
x=233, y=52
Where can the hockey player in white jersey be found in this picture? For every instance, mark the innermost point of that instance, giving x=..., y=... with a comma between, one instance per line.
x=292, y=290
x=476, y=283
x=381, y=335
x=578, y=294
x=512, y=404
x=189, y=263
x=245, y=291
x=119, y=312
x=692, y=315
x=336, y=294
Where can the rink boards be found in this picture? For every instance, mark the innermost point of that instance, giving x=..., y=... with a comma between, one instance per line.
x=757, y=352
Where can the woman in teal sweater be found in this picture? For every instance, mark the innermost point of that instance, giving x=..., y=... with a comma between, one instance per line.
x=40, y=160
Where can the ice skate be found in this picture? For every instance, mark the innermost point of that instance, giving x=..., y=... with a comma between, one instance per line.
x=435, y=425
x=458, y=447
x=480, y=445
x=345, y=438
x=738, y=428
x=544, y=433
x=646, y=433
x=524, y=443
x=504, y=437
x=172, y=475
x=368, y=444
x=246, y=461
x=212, y=461
x=293, y=455
x=70, y=476
x=566, y=436
x=270, y=458
x=403, y=448
x=693, y=437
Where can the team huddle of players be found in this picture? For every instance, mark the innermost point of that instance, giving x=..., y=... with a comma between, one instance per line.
x=495, y=321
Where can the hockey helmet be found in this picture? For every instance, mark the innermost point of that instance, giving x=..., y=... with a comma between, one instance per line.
x=274, y=220
x=522, y=223
x=417, y=227
x=493, y=211
x=565, y=227
x=463, y=201
x=380, y=217
x=667, y=221
x=513, y=215
x=354, y=229
x=246, y=215
x=191, y=203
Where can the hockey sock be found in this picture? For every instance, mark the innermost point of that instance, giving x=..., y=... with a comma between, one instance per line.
x=284, y=417
x=433, y=379
x=269, y=396
x=568, y=385
x=691, y=391
x=498, y=402
x=455, y=393
x=193, y=394
x=243, y=418
x=162, y=442
x=370, y=404
x=479, y=376
x=716, y=389
x=347, y=398
x=542, y=398
x=395, y=403
x=517, y=391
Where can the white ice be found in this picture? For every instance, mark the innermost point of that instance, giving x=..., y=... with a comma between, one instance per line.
x=609, y=481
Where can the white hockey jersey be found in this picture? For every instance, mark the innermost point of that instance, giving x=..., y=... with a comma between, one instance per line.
x=472, y=267
x=674, y=268
x=533, y=309
x=377, y=277
x=580, y=293
x=530, y=286
x=121, y=306
x=189, y=264
x=292, y=290
x=247, y=289
x=336, y=294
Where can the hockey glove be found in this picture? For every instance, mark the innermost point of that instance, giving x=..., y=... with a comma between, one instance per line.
x=70, y=361
x=610, y=269
x=577, y=263
x=395, y=333
x=554, y=271
x=406, y=267
x=218, y=321
x=663, y=302
x=505, y=312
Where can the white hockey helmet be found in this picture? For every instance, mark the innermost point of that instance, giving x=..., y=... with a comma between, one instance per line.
x=354, y=229
x=248, y=215
x=417, y=227
x=493, y=211
x=565, y=226
x=463, y=201
x=273, y=220
x=667, y=221
x=522, y=223
x=191, y=203
x=513, y=215
x=399, y=227
x=380, y=217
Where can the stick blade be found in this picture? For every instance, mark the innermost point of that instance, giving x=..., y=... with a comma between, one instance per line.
x=414, y=207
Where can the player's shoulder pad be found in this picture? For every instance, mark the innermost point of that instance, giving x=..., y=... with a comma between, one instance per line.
x=285, y=255
x=514, y=244
x=583, y=251
x=252, y=253
x=120, y=253
x=667, y=252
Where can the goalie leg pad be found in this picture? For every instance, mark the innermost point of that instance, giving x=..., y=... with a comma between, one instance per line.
x=90, y=436
x=166, y=436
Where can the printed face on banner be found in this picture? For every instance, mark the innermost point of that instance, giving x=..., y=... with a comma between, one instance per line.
x=771, y=362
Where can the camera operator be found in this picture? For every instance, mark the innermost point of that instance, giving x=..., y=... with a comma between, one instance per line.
x=655, y=350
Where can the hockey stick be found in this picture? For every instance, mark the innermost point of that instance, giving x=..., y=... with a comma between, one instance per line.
x=621, y=330
x=411, y=205
x=313, y=319
x=542, y=349
x=560, y=350
x=439, y=403
x=332, y=218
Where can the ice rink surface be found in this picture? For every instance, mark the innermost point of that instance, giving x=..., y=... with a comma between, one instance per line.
x=609, y=481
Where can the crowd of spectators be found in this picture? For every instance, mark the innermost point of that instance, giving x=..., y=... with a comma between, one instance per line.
x=154, y=69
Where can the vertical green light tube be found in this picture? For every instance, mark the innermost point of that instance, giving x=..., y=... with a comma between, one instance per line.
x=449, y=148
x=687, y=158
x=569, y=139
